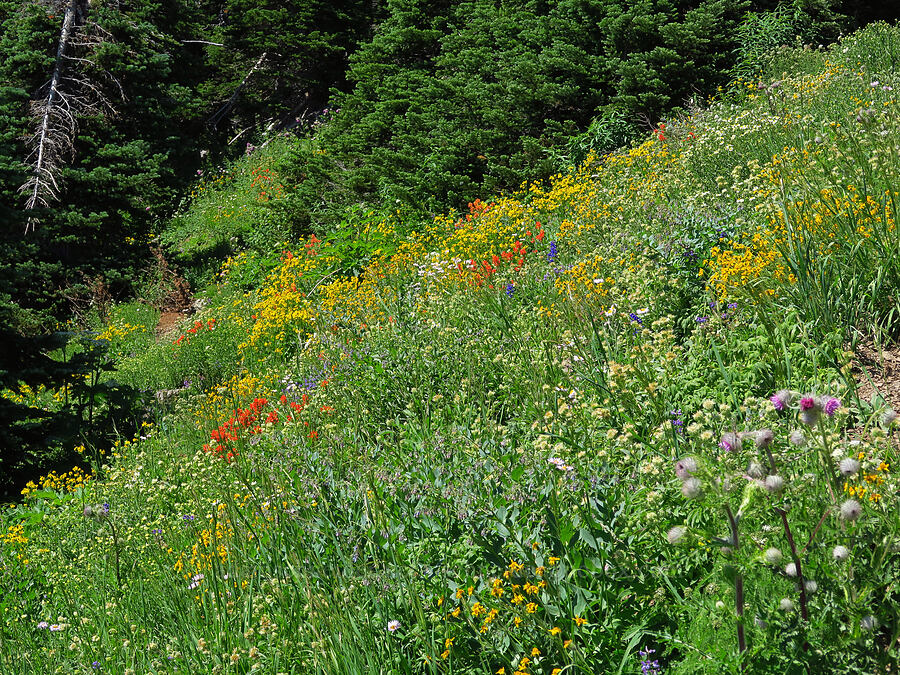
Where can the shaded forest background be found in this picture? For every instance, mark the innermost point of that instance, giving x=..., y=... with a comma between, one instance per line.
x=400, y=103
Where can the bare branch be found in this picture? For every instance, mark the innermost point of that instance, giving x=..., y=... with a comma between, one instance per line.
x=202, y=42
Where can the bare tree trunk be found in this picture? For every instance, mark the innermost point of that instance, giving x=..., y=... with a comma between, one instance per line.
x=50, y=143
x=229, y=104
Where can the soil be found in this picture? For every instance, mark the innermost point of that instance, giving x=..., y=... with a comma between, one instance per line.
x=878, y=370
x=168, y=320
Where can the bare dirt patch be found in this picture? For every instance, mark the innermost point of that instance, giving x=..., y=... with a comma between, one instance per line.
x=878, y=370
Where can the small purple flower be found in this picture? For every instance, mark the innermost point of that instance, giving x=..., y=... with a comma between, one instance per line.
x=778, y=403
x=188, y=517
x=702, y=319
x=807, y=403
x=43, y=625
x=551, y=255
x=649, y=666
x=95, y=665
x=510, y=289
x=831, y=406
x=634, y=317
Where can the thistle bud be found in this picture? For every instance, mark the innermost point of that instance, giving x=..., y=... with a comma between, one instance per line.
x=88, y=512
x=675, y=534
x=775, y=484
x=811, y=586
x=786, y=605
x=764, y=438
x=756, y=470
x=790, y=569
x=797, y=438
x=731, y=442
x=692, y=488
x=685, y=468
x=848, y=466
x=888, y=418
x=840, y=553
x=773, y=556
x=851, y=510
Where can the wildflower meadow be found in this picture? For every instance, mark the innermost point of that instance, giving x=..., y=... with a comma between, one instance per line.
x=632, y=419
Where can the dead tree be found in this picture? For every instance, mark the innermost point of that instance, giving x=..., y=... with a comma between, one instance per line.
x=70, y=93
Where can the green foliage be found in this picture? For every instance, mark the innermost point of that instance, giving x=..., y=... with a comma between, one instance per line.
x=57, y=394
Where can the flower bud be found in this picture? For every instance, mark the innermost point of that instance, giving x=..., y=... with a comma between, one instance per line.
x=790, y=569
x=720, y=605
x=851, y=510
x=764, y=438
x=786, y=605
x=685, y=468
x=781, y=400
x=692, y=488
x=756, y=470
x=774, y=484
x=675, y=534
x=848, y=466
x=841, y=553
x=731, y=442
x=773, y=556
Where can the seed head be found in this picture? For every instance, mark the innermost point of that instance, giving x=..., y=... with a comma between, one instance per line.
x=848, y=466
x=756, y=470
x=851, y=510
x=775, y=484
x=888, y=418
x=797, y=438
x=685, y=468
x=841, y=553
x=786, y=605
x=88, y=511
x=692, y=488
x=764, y=438
x=675, y=534
x=773, y=556
x=790, y=569
x=811, y=586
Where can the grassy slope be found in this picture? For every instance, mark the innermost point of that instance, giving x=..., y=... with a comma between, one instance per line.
x=468, y=426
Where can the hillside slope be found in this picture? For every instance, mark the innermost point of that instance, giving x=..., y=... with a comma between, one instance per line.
x=606, y=424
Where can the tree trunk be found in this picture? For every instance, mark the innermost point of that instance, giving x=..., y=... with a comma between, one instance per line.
x=42, y=185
